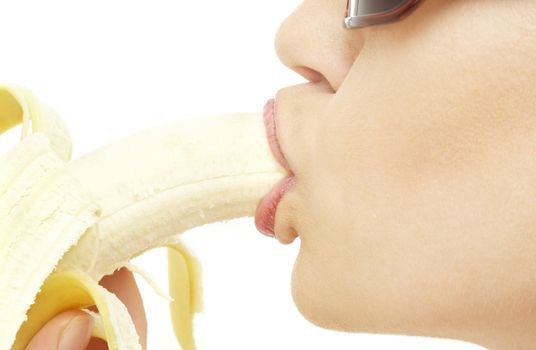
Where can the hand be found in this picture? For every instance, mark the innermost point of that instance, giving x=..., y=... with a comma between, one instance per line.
x=71, y=329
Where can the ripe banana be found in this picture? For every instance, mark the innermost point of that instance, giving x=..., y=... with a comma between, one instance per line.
x=64, y=224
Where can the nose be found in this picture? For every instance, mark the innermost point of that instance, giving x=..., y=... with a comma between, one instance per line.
x=314, y=43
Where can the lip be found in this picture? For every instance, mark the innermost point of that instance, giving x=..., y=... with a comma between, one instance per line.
x=269, y=113
x=267, y=207
x=265, y=213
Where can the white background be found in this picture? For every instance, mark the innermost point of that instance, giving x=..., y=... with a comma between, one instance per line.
x=111, y=68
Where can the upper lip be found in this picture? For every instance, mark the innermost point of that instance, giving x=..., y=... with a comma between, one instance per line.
x=270, y=122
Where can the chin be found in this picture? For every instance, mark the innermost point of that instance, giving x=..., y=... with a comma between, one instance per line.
x=317, y=299
x=308, y=294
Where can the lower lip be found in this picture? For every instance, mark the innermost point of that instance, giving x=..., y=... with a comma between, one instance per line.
x=265, y=213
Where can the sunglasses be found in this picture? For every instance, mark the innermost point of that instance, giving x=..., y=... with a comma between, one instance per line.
x=362, y=13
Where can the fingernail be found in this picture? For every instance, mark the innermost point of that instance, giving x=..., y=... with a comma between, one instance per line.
x=76, y=334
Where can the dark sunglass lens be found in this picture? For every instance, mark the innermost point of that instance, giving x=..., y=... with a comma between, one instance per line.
x=371, y=7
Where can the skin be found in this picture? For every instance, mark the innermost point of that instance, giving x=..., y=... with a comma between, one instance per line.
x=413, y=147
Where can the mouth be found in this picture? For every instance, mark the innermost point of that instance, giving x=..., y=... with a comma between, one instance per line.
x=269, y=114
x=267, y=207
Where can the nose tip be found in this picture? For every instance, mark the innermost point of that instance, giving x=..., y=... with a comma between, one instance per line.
x=313, y=43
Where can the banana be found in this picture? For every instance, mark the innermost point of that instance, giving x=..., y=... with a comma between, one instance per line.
x=64, y=224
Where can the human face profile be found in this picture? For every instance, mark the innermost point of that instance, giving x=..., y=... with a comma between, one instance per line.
x=413, y=144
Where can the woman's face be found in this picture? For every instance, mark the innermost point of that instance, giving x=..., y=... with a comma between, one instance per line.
x=414, y=150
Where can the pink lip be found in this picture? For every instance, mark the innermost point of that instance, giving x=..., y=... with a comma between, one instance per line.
x=267, y=207
x=271, y=132
x=265, y=213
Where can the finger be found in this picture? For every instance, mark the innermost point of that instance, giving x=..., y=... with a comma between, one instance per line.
x=123, y=285
x=69, y=330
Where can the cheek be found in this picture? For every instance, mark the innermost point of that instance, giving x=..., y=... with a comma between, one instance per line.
x=403, y=233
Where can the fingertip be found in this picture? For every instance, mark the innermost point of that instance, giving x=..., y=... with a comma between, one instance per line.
x=48, y=337
x=76, y=335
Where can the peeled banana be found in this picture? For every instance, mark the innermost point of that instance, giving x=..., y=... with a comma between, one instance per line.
x=64, y=224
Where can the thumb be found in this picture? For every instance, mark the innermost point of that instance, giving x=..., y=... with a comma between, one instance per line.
x=70, y=330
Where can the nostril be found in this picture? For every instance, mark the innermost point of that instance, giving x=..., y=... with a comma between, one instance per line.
x=309, y=74
x=315, y=77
